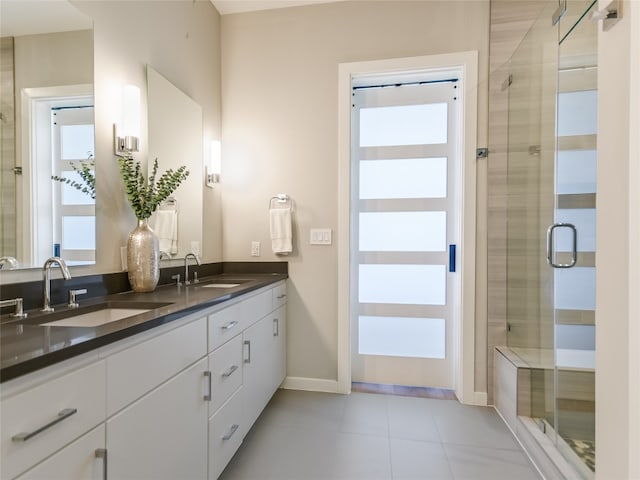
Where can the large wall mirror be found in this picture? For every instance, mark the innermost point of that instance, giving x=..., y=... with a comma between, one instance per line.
x=175, y=139
x=47, y=130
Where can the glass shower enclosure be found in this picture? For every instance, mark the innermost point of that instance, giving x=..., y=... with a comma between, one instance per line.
x=551, y=207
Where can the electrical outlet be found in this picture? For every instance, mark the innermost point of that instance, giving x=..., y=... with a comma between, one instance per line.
x=195, y=247
x=255, y=249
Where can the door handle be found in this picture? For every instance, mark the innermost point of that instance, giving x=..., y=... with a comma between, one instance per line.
x=452, y=257
x=551, y=247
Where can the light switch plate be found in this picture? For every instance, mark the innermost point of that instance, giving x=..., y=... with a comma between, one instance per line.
x=255, y=249
x=320, y=236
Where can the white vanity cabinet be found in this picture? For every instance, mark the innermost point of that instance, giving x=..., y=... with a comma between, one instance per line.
x=43, y=418
x=85, y=458
x=164, y=434
x=171, y=403
x=263, y=361
x=157, y=408
x=246, y=370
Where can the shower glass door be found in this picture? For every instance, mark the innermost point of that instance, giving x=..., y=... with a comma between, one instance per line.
x=551, y=211
x=575, y=199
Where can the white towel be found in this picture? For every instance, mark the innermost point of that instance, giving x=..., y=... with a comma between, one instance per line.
x=280, y=223
x=165, y=227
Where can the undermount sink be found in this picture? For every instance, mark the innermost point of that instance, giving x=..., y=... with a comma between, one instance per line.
x=106, y=314
x=224, y=283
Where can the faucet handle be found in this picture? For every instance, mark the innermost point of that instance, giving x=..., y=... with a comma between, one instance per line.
x=17, y=302
x=73, y=303
x=195, y=277
x=176, y=277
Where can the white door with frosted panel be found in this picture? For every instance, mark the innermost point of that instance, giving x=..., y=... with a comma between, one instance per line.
x=74, y=209
x=404, y=221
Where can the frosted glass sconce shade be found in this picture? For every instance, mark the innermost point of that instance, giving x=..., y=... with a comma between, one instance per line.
x=127, y=131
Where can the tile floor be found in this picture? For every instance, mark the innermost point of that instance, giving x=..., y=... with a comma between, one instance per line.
x=320, y=436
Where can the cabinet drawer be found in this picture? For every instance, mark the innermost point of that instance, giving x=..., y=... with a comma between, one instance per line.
x=256, y=307
x=224, y=325
x=225, y=434
x=77, y=461
x=279, y=295
x=82, y=390
x=137, y=370
x=225, y=365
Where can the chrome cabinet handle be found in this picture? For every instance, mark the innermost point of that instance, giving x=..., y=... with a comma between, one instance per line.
x=281, y=296
x=248, y=344
x=229, y=325
x=207, y=397
x=64, y=414
x=232, y=430
x=102, y=453
x=550, y=245
x=276, y=327
x=229, y=372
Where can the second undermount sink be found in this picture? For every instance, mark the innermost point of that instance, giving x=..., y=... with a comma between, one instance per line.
x=226, y=283
x=107, y=314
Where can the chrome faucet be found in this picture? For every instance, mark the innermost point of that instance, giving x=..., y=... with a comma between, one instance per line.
x=186, y=268
x=47, y=282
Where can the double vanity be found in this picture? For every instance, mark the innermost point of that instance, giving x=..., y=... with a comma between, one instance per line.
x=160, y=385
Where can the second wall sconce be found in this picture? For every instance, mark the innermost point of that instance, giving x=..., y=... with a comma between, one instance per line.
x=127, y=130
x=213, y=169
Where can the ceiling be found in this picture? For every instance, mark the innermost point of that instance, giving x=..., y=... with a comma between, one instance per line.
x=20, y=17
x=226, y=7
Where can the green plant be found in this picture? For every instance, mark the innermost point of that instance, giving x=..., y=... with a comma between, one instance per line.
x=145, y=195
x=86, y=172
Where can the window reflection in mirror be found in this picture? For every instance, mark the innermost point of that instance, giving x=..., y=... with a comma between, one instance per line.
x=47, y=99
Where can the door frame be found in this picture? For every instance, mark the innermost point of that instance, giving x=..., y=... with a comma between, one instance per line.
x=465, y=65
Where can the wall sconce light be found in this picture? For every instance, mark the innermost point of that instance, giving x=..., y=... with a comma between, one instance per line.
x=212, y=171
x=127, y=131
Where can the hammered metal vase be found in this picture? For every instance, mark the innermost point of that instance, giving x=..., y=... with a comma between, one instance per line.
x=143, y=258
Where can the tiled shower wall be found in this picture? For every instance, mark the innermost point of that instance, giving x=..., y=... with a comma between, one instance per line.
x=8, y=151
x=510, y=21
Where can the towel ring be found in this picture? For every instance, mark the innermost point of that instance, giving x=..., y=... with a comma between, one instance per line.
x=282, y=200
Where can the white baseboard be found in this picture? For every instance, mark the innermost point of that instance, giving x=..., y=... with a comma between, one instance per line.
x=474, y=398
x=479, y=398
x=310, y=384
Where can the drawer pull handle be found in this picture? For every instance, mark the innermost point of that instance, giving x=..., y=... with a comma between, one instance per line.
x=207, y=397
x=232, y=430
x=102, y=453
x=281, y=296
x=229, y=372
x=64, y=414
x=229, y=325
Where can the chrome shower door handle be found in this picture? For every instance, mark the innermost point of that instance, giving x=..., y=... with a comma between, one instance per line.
x=551, y=250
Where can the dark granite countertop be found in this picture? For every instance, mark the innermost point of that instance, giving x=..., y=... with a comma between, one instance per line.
x=26, y=345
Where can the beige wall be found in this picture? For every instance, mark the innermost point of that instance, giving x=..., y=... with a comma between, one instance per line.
x=280, y=114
